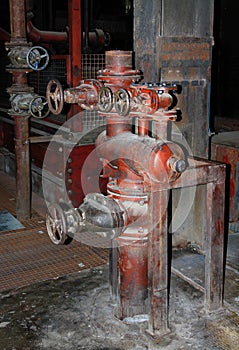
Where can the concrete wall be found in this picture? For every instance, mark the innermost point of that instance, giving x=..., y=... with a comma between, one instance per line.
x=173, y=42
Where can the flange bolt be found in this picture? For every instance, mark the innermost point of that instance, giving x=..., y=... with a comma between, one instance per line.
x=178, y=165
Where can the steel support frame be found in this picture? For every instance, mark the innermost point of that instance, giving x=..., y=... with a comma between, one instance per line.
x=213, y=175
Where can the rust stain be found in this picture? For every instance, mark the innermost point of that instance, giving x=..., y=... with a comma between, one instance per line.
x=182, y=52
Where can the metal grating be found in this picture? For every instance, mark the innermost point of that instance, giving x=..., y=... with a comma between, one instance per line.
x=28, y=256
x=91, y=63
x=57, y=68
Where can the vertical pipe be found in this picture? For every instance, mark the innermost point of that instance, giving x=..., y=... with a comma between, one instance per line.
x=161, y=130
x=143, y=126
x=75, y=41
x=23, y=197
x=113, y=269
x=86, y=12
x=17, y=20
x=21, y=126
x=133, y=278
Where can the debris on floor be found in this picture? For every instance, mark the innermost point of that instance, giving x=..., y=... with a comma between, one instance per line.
x=77, y=312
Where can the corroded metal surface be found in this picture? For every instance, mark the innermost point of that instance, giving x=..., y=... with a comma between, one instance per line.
x=18, y=23
x=133, y=281
x=183, y=53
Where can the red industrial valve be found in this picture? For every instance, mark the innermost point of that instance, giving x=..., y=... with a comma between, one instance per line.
x=132, y=158
x=135, y=160
x=118, y=89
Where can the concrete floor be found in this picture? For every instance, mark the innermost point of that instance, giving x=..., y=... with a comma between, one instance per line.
x=76, y=312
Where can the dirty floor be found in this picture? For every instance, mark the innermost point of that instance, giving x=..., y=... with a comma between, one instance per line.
x=73, y=308
x=76, y=312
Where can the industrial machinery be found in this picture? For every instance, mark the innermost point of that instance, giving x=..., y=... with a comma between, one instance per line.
x=137, y=158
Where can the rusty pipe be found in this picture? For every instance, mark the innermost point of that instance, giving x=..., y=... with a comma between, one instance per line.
x=133, y=278
x=21, y=122
x=17, y=22
x=37, y=36
x=95, y=38
x=23, y=191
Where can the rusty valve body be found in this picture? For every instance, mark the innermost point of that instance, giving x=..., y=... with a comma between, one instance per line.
x=22, y=57
x=134, y=162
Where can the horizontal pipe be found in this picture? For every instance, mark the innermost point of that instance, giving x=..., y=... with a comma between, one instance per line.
x=36, y=35
x=45, y=138
x=145, y=154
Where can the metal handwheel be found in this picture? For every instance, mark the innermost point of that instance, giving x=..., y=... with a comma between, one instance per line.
x=54, y=96
x=56, y=224
x=105, y=99
x=39, y=107
x=37, y=58
x=122, y=102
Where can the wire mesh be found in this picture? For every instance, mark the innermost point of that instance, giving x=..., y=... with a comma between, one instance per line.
x=57, y=69
x=91, y=63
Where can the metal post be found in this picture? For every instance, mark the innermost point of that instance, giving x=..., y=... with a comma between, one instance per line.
x=158, y=264
x=214, y=256
x=75, y=42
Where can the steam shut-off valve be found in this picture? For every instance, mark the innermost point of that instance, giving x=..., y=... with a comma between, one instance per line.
x=23, y=57
x=29, y=103
x=137, y=159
